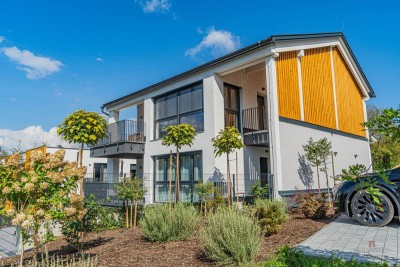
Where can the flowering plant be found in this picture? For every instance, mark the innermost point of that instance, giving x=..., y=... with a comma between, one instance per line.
x=38, y=191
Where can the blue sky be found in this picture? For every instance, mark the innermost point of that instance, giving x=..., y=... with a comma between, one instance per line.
x=58, y=56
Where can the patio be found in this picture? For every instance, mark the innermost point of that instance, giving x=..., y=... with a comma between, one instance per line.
x=347, y=239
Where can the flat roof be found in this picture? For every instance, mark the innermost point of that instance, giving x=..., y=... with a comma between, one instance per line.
x=242, y=51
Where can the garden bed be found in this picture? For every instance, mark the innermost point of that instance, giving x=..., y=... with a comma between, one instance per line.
x=126, y=247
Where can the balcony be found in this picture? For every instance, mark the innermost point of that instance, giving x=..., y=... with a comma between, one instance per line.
x=255, y=126
x=125, y=139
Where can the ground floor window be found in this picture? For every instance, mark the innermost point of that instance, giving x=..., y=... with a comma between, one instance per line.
x=191, y=171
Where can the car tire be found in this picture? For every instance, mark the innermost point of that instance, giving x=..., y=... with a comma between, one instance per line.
x=367, y=213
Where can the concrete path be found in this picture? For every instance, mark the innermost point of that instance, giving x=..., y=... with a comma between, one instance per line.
x=347, y=239
x=8, y=242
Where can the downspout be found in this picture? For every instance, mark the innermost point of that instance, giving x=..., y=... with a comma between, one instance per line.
x=102, y=111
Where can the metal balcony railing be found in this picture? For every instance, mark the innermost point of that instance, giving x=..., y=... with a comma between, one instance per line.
x=254, y=119
x=124, y=131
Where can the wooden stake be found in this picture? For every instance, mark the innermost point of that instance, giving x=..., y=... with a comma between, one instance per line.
x=237, y=179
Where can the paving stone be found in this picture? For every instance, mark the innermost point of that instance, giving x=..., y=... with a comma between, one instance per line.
x=347, y=239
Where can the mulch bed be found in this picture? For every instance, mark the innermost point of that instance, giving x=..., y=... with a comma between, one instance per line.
x=126, y=247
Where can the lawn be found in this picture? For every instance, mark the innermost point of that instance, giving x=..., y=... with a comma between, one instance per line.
x=126, y=247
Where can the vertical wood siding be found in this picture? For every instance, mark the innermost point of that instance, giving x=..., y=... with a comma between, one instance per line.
x=349, y=98
x=319, y=106
x=288, y=85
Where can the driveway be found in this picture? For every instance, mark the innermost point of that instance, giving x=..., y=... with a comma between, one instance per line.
x=347, y=239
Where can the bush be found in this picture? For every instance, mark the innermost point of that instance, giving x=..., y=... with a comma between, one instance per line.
x=287, y=257
x=97, y=218
x=218, y=201
x=231, y=237
x=270, y=214
x=315, y=206
x=160, y=224
x=257, y=191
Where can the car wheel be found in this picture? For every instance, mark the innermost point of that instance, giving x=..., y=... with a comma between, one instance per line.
x=369, y=213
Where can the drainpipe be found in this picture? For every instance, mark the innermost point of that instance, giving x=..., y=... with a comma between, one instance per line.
x=105, y=113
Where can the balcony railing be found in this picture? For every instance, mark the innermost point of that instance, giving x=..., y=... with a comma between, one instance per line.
x=124, y=131
x=254, y=119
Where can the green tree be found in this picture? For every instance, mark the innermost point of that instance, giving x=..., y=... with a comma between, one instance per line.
x=317, y=153
x=84, y=128
x=385, y=146
x=226, y=142
x=179, y=135
x=205, y=191
x=131, y=189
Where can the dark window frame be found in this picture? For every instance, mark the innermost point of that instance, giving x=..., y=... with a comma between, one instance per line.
x=236, y=89
x=178, y=115
x=165, y=181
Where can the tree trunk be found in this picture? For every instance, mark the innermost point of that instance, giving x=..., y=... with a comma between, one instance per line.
x=205, y=208
x=201, y=207
x=36, y=243
x=333, y=170
x=136, y=207
x=80, y=164
x=131, y=212
x=327, y=184
x=237, y=179
x=21, y=259
x=178, y=184
x=127, y=215
x=319, y=183
x=170, y=181
x=228, y=178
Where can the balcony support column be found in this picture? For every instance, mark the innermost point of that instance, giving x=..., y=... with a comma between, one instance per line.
x=113, y=170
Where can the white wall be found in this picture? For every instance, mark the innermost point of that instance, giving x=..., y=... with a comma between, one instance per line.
x=293, y=137
x=71, y=154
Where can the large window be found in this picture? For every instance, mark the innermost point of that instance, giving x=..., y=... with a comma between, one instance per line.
x=232, y=106
x=181, y=106
x=191, y=171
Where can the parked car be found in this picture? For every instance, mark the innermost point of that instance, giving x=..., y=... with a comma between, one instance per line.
x=355, y=202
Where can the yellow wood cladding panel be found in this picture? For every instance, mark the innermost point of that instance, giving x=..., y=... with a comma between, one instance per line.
x=349, y=98
x=288, y=85
x=28, y=154
x=318, y=98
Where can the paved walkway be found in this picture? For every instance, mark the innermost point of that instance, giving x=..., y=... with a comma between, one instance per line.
x=347, y=239
x=8, y=242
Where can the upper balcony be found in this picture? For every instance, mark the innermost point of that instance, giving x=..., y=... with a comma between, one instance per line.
x=125, y=139
x=255, y=126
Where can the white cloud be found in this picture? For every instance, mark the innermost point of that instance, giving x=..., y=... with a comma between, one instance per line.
x=2, y=38
x=30, y=137
x=99, y=59
x=216, y=42
x=36, y=67
x=155, y=6
x=57, y=92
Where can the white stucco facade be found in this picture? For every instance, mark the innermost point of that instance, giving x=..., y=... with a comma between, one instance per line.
x=256, y=75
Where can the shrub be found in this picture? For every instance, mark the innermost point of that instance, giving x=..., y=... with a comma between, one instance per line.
x=231, y=237
x=162, y=224
x=97, y=218
x=270, y=214
x=315, y=206
x=258, y=191
x=218, y=201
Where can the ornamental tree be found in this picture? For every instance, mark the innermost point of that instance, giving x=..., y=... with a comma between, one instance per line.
x=205, y=191
x=179, y=135
x=317, y=153
x=383, y=126
x=84, y=128
x=131, y=189
x=226, y=142
x=38, y=192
